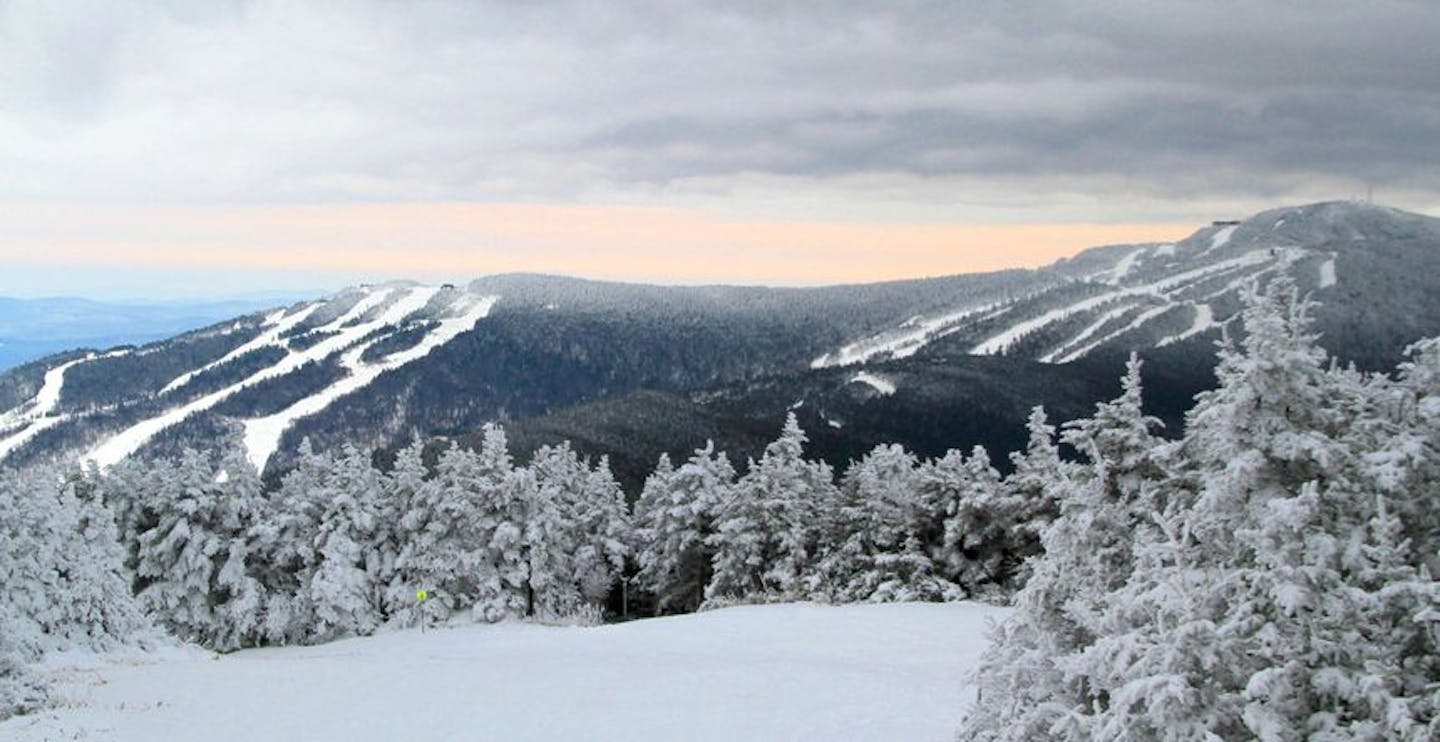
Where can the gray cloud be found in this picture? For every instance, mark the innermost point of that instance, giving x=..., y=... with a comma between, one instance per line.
x=263, y=101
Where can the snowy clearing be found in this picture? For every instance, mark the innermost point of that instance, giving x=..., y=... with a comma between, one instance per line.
x=878, y=383
x=1327, y=273
x=795, y=671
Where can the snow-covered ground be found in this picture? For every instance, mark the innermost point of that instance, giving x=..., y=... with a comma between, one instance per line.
x=780, y=672
x=1327, y=273
x=1221, y=238
x=881, y=384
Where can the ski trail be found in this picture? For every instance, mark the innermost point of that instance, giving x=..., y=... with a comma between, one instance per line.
x=1134, y=324
x=916, y=334
x=128, y=441
x=38, y=417
x=1204, y=320
x=1125, y=265
x=1159, y=289
x=1220, y=239
x=1091, y=329
x=278, y=323
x=262, y=435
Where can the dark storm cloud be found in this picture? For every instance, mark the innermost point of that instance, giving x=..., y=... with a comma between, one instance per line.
x=339, y=100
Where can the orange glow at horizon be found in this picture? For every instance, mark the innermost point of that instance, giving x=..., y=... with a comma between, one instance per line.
x=608, y=242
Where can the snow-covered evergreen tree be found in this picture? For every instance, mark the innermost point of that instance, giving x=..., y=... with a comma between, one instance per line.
x=1087, y=556
x=976, y=546
x=345, y=587
x=545, y=492
x=425, y=526
x=508, y=502
x=1273, y=592
x=198, y=527
x=1032, y=495
x=675, y=518
x=602, y=522
x=64, y=581
x=240, y=596
x=768, y=530
x=880, y=551
x=283, y=547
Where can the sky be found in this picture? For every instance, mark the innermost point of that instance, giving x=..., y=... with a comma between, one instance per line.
x=185, y=149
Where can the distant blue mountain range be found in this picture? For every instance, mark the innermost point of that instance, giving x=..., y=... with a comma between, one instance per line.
x=34, y=328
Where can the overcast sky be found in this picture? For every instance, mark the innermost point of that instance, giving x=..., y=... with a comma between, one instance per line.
x=183, y=148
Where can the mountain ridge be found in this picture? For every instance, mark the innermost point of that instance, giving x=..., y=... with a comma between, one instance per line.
x=376, y=364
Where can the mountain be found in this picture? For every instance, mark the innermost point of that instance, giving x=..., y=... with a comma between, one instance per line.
x=35, y=328
x=1137, y=297
x=630, y=370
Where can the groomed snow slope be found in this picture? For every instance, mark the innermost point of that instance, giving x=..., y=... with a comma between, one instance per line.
x=779, y=672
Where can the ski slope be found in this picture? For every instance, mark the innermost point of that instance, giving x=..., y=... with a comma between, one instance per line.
x=905, y=340
x=20, y=425
x=377, y=315
x=1186, y=286
x=777, y=672
x=262, y=435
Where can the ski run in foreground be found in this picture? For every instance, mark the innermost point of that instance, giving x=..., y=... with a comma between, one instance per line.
x=895, y=671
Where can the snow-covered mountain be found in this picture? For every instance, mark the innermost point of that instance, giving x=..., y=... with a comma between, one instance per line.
x=1136, y=297
x=373, y=365
x=335, y=346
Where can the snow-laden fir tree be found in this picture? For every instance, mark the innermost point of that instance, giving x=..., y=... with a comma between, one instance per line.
x=345, y=588
x=768, y=529
x=424, y=528
x=1031, y=495
x=282, y=542
x=885, y=531
x=239, y=597
x=442, y=535
x=1275, y=596
x=1024, y=676
x=976, y=547
x=674, y=519
x=554, y=488
x=64, y=581
x=1226, y=641
x=508, y=501
x=602, y=519
x=197, y=526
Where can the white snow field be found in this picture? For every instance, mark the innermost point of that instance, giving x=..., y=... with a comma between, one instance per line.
x=777, y=672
